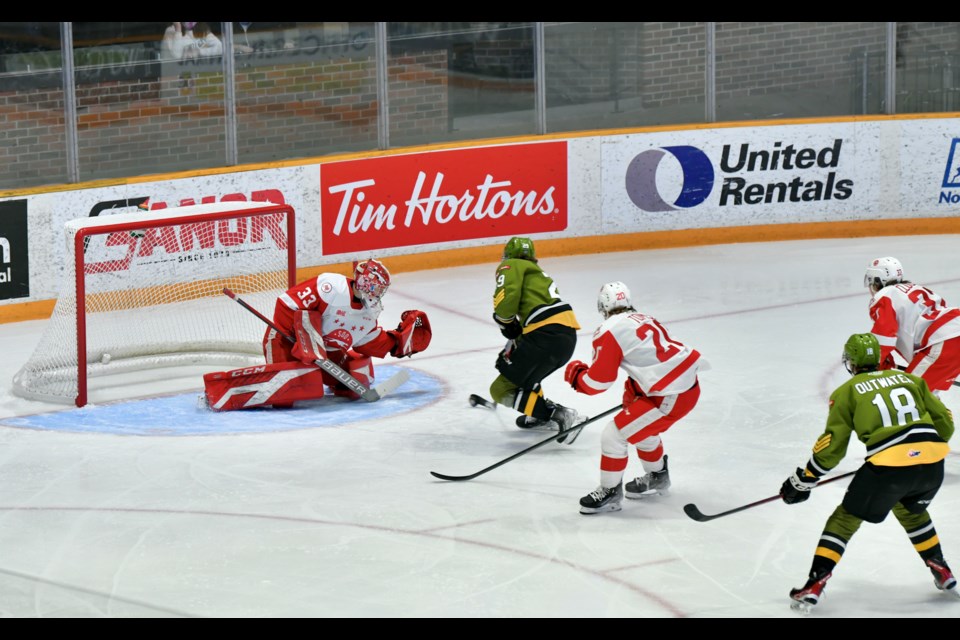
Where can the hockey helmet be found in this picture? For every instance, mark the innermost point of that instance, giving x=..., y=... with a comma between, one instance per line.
x=614, y=297
x=881, y=272
x=371, y=280
x=861, y=353
x=519, y=248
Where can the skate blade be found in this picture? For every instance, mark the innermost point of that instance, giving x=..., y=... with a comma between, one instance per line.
x=646, y=494
x=610, y=507
x=803, y=608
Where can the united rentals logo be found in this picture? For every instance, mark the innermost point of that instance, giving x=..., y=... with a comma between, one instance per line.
x=641, y=178
x=750, y=176
x=951, y=175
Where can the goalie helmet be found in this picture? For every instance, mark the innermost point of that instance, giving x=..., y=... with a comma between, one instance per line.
x=614, y=297
x=881, y=272
x=861, y=353
x=519, y=248
x=371, y=280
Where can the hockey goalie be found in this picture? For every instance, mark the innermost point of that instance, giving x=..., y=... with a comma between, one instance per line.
x=331, y=317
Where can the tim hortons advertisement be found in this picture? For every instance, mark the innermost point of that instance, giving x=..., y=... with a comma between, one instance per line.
x=443, y=196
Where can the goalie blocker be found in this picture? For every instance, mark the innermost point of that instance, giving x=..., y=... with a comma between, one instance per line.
x=284, y=383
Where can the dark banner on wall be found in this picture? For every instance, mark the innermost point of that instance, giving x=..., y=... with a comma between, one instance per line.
x=14, y=256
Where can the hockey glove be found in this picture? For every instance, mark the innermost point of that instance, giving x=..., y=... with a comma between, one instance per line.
x=631, y=392
x=797, y=487
x=511, y=329
x=888, y=363
x=412, y=335
x=575, y=369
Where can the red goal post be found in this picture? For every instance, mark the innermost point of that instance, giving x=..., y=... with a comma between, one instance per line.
x=145, y=290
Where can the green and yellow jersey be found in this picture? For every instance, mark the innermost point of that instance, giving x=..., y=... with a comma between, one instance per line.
x=893, y=413
x=524, y=291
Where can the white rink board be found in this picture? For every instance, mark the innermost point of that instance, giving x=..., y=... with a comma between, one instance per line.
x=885, y=168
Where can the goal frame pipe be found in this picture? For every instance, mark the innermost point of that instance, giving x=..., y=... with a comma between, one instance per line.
x=80, y=273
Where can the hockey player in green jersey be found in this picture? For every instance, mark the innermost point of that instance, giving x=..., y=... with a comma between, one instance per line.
x=541, y=330
x=905, y=429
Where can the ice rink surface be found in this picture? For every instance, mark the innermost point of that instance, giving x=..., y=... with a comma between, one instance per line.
x=154, y=507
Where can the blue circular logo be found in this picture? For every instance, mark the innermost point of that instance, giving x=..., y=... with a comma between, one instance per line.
x=641, y=178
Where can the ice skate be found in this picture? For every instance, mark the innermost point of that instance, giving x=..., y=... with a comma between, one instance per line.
x=653, y=483
x=942, y=576
x=602, y=499
x=567, y=419
x=529, y=422
x=807, y=597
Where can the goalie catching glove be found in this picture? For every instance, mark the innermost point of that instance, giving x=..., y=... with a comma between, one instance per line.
x=412, y=335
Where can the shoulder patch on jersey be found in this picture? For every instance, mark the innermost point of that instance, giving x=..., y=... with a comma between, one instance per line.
x=822, y=443
x=503, y=267
x=326, y=287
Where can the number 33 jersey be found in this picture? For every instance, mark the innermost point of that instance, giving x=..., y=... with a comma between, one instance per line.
x=641, y=346
x=909, y=318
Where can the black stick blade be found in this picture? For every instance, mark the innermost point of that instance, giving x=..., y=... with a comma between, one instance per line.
x=442, y=476
x=692, y=511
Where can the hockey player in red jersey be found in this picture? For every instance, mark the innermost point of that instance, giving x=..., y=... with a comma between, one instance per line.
x=915, y=322
x=330, y=317
x=660, y=389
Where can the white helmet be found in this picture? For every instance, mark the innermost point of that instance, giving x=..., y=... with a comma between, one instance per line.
x=881, y=272
x=614, y=297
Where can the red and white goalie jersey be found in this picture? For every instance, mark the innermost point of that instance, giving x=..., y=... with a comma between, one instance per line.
x=346, y=323
x=639, y=345
x=909, y=318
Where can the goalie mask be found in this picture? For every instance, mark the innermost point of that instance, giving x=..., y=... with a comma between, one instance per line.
x=371, y=280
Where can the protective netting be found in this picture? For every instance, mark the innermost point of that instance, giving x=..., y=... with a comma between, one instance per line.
x=150, y=294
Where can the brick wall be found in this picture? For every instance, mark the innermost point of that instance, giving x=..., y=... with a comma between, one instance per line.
x=177, y=122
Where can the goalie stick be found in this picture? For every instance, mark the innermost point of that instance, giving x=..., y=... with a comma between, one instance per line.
x=443, y=476
x=695, y=513
x=371, y=394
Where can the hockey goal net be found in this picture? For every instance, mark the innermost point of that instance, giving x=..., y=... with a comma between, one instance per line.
x=145, y=290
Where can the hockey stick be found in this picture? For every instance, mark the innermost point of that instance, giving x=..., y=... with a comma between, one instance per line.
x=528, y=449
x=368, y=394
x=692, y=511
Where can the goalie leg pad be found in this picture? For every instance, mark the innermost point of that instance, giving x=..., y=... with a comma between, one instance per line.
x=360, y=367
x=276, y=348
x=279, y=384
x=309, y=339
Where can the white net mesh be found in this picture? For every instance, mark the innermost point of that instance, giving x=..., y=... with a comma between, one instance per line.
x=150, y=294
